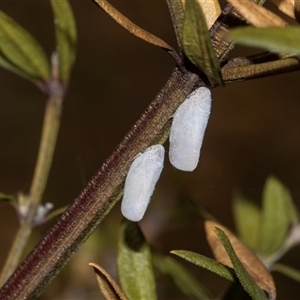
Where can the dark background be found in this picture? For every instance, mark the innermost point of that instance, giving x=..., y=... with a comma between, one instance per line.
x=253, y=132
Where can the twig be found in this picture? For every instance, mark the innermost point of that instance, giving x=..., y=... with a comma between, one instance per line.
x=47, y=146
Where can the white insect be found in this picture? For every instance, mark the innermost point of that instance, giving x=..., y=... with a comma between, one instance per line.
x=188, y=128
x=140, y=182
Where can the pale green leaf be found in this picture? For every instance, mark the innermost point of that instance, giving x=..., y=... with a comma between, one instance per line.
x=245, y=279
x=7, y=65
x=274, y=38
x=66, y=36
x=276, y=216
x=8, y=198
x=291, y=208
x=206, y=263
x=287, y=271
x=55, y=213
x=134, y=263
x=247, y=219
x=185, y=281
x=20, y=52
x=197, y=44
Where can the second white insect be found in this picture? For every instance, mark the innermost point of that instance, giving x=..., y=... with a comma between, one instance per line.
x=140, y=182
x=188, y=128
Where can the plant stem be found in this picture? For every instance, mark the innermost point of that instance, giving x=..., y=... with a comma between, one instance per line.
x=41, y=172
x=100, y=195
x=105, y=188
x=47, y=146
x=292, y=239
x=252, y=71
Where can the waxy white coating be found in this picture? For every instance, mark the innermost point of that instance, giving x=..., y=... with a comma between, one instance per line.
x=188, y=129
x=140, y=182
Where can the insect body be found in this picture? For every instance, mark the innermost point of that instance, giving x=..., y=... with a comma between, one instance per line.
x=140, y=182
x=188, y=128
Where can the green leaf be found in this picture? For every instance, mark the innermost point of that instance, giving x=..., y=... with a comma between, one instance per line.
x=197, y=44
x=245, y=279
x=206, y=263
x=177, y=14
x=7, y=65
x=134, y=263
x=181, y=277
x=20, y=52
x=276, y=216
x=55, y=213
x=66, y=37
x=287, y=271
x=292, y=210
x=8, y=198
x=247, y=217
x=286, y=39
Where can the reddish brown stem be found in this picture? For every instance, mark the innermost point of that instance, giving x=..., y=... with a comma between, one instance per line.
x=101, y=193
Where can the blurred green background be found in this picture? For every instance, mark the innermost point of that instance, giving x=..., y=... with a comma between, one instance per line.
x=253, y=132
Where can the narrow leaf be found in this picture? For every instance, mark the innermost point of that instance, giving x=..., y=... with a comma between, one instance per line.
x=276, y=216
x=273, y=39
x=286, y=6
x=66, y=37
x=177, y=13
x=20, y=52
x=257, y=15
x=109, y=288
x=211, y=10
x=8, y=198
x=134, y=263
x=136, y=30
x=185, y=281
x=206, y=263
x=247, y=219
x=247, y=71
x=197, y=44
x=7, y=65
x=252, y=264
x=245, y=279
x=297, y=10
x=292, y=210
x=287, y=271
x=57, y=212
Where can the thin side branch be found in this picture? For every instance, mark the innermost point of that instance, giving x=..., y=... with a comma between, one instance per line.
x=246, y=72
x=41, y=173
